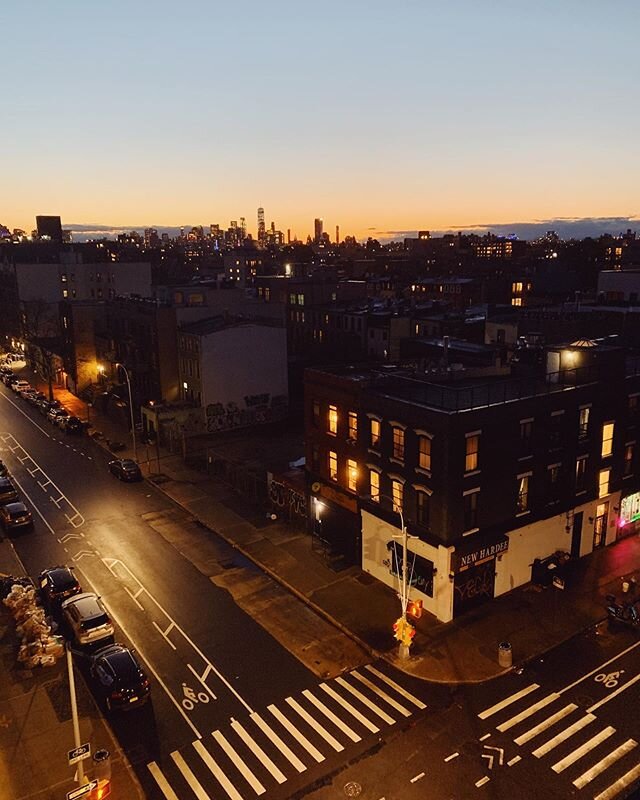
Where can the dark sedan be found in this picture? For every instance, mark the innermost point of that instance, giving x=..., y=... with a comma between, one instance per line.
x=8, y=492
x=15, y=515
x=119, y=677
x=125, y=469
x=57, y=584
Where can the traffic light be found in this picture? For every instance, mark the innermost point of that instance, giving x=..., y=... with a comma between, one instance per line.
x=414, y=609
x=403, y=631
x=398, y=628
x=102, y=790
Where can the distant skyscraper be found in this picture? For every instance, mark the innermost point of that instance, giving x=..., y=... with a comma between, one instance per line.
x=318, y=227
x=262, y=233
x=243, y=227
x=49, y=228
x=337, y=234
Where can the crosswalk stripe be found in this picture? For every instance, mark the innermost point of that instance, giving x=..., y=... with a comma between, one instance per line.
x=219, y=775
x=282, y=747
x=604, y=763
x=162, y=782
x=394, y=703
x=407, y=695
x=369, y=703
x=577, y=754
x=255, y=748
x=315, y=725
x=547, y=747
x=235, y=759
x=286, y=723
x=331, y=716
x=354, y=711
x=528, y=712
x=189, y=776
x=489, y=712
x=619, y=785
x=547, y=723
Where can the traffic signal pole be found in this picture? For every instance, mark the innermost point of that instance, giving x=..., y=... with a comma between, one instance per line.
x=74, y=712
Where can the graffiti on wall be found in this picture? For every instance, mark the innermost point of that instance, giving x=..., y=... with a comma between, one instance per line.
x=287, y=499
x=258, y=409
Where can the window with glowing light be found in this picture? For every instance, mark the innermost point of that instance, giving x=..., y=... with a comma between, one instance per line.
x=603, y=482
x=607, y=439
x=333, y=420
x=333, y=465
x=397, y=492
x=352, y=475
x=398, y=444
x=374, y=485
x=375, y=432
x=353, y=426
x=472, y=446
x=523, y=494
x=424, y=452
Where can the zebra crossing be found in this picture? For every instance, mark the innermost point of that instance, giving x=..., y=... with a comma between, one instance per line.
x=254, y=755
x=570, y=740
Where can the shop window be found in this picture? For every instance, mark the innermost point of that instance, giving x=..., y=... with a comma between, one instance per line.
x=352, y=475
x=600, y=525
x=424, y=452
x=398, y=444
x=471, y=452
x=607, y=439
x=353, y=426
x=332, y=420
x=333, y=465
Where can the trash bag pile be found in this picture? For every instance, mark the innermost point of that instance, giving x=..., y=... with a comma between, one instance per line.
x=39, y=646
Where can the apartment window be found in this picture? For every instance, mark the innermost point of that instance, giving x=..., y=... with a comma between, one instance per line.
x=523, y=494
x=353, y=426
x=397, y=491
x=600, y=525
x=603, y=482
x=333, y=465
x=583, y=423
x=316, y=413
x=471, y=452
x=398, y=444
x=63, y=277
x=352, y=475
x=292, y=299
x=628, y=459
x=607, y=439
x=65, y=293
x=526, y=429
x=632, y=404
x=300, y=299
x=555, y=429
x=375, y=432
x=581, y=473
x=374, y=485
x=553, y=481
x=470, y=510
x=422, y=508
x=332, y=419
x=424, y=452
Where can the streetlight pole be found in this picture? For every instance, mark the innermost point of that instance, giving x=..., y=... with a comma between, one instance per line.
x=133, y=427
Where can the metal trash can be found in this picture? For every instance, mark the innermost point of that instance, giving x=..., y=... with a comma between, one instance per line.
x=505, y=655
x=102, y=764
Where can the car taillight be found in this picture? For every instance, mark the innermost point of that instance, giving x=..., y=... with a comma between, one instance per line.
x=116, y=695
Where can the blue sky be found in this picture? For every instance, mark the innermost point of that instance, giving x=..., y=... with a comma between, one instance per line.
x=372, y=115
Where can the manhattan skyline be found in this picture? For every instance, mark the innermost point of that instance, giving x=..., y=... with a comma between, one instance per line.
x=380, y=120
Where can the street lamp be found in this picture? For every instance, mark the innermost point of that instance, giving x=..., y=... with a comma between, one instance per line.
x=404, y=590
x=133, y=429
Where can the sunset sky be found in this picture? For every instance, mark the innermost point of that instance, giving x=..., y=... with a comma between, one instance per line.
x=376, y=116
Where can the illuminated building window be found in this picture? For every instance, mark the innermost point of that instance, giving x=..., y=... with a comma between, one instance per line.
x=397, y=492
x=398, y=444
x=353, y=426
x=375, y=432
x=352, y=475
x=472, y=446
x=424, y=452
x=63, y=277
x=600, y=524
x=374, y=485
x=523, y=494
x=603, y=482
x=607, y=439
x=583, y=422
x=333, y=465
x=65, y=293
x=333, y=420
x=516, y=301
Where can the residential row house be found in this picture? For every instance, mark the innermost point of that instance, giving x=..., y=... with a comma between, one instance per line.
x=484, y=474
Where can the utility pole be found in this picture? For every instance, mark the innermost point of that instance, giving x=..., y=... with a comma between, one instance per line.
x=133, y=425
x=74, y=713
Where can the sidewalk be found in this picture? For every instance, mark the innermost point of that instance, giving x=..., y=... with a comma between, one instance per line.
x=462, y=651
x=36, y=730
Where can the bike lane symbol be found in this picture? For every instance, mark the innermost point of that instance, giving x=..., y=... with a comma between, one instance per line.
x=191, y=699
x=610, y=680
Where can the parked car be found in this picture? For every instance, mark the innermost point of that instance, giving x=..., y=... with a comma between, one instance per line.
x=36, y=398
x=60, y=417
x=119, y=678
x=87, y=618
x=46, y=406
x=15, y=515
x=25, y=393
x=71, y=424
x=56, y=412
x=11, y=379
x=57, y=584
x=125, y=469
x=20, y=384
x=8, y=492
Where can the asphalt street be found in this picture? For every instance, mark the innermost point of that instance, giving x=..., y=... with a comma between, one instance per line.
x=231, y=707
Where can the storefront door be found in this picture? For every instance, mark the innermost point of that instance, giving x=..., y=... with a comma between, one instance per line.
x=473, y=586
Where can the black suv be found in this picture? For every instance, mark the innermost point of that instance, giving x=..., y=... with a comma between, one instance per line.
x=57, y=584
x=119, y=677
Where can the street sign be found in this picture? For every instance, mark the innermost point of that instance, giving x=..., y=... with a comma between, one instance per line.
x=79, y=753
x=558, y=582
x=82, y=790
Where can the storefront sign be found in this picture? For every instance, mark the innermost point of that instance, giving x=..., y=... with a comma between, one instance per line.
x=337, y=497
x=481, y=552
x=630, y=509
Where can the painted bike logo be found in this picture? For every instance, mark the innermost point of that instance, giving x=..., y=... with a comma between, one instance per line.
x=191, y=699
x=610, y=679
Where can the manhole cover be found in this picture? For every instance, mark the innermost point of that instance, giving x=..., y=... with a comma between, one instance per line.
x=352, y=789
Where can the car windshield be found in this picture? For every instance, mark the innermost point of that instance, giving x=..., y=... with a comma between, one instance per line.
x=62, y=580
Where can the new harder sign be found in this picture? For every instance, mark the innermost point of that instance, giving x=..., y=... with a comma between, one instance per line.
x=481, y=551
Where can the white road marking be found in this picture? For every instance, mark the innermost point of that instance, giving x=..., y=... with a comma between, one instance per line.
x=257, y=751
x=365, y=700
x=394, y=703
x=190, y=778
x=619, y=785
x=332, y=717
x=25, y=415
x=622, y=688
x=604, y=763
x=451, y=757
x=315, y=725
x=547, y=723
x=235, y=759
x=417, y=777
x=219, y=775
x=489, y=712
x=201, y=678
x=162, y=782
x=140, y=606
x=300, y=737
x=599, y=668
x=286, y=751
x=486, y=736
x=514, y=760
x=482, y=781
x=547, y=747
x=159, y=629
x=577, y=754
x=353, y=711
x=528, y=712
x=407, y=695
